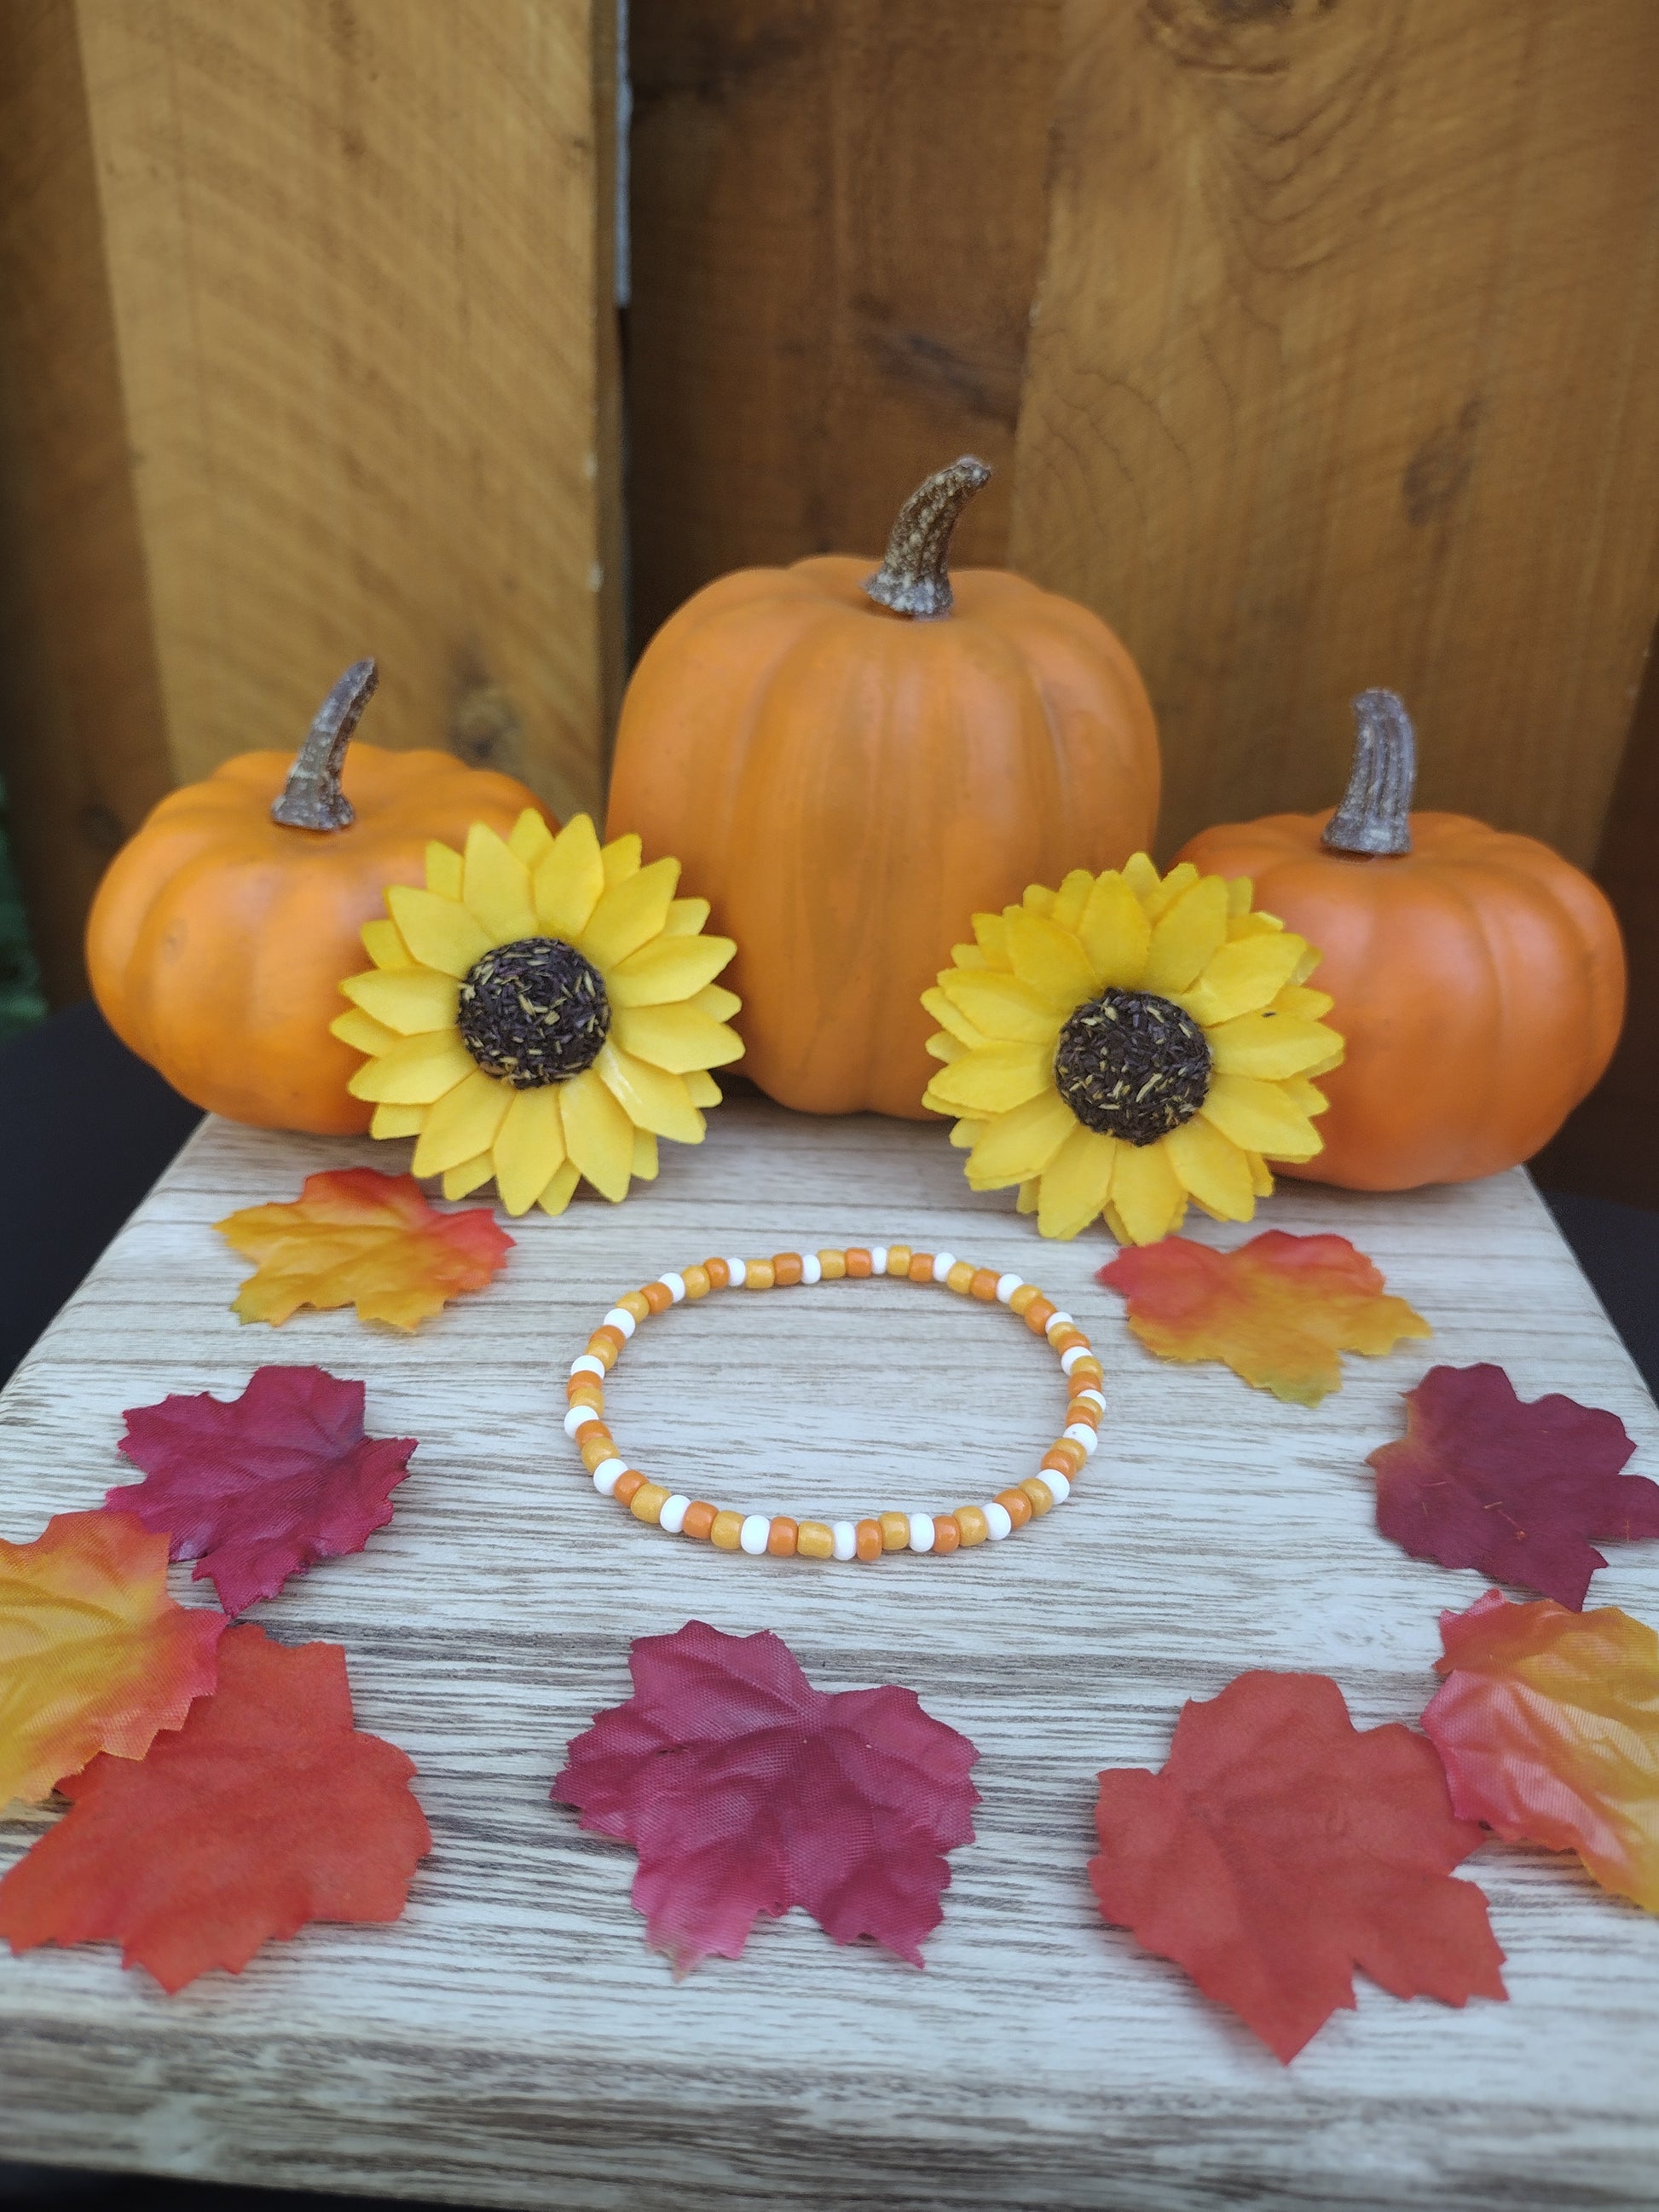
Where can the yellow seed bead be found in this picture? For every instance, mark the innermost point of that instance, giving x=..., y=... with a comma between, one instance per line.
x=895, y=1531
x=972, y=1524
x=1038, y=1492
x=636, y=1302
x=816, y=1539
x=833, y=1266
x=759, y=1275
x=1026, y=1295
x=647, y=1501
x=960, y=1279
x=603, y=1349
x=696, y=1280
x=728, y=1529
x=898, y=1259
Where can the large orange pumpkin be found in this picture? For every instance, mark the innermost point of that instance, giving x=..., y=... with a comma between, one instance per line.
x=850, y=765
x=1479, y=977
x=220, y=935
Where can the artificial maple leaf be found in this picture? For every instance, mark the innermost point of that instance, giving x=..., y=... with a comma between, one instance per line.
x=265, y=1811
x=746, y=1791
x=355, y=1236
x=94, y=1655
x=1481, y=1480
x=1548, y=1724
x=257, y=1489
x=1279, y=1848
x=1277, y=1310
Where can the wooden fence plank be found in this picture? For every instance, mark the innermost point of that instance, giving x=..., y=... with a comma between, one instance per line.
x=837, y=231
x=358, y=266
x=1343, y=375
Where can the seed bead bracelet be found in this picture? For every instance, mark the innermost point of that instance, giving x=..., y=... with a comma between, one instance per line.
x=782, y=1538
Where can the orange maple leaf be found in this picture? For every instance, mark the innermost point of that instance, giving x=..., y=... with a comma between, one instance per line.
x=355, y=1236
x=94, y=1655
x=1277, y=1312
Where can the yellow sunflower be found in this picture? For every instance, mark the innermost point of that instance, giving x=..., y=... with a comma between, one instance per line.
x=1128, y=1043
x=546, y=1009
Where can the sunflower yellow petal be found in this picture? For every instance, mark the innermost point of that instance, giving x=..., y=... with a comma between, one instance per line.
x=1186, y=938
x=1071, y=898
x=943, y=1046
x=628, y=914
x=561, y=1182
x=964, y=1135
x=1072, y=1188
x=1310, y=958
x=396, y=1122
x=462, y=1124
x=995, y=1078
x=568, y=880
x=1163, y=893
x=529, y=1147
x=1115, y=933
x=409, y=1001
x=651, y=1097
x=991, y=936
x=701, y=1087
x=1297, y=999
x=1027, y=1197
x=667, y=969
x=1305, y=1094
x=1253, y=924
x=1148, y=1197
x=1244, y=977
x=1037, y=898
x=645, y=1155
x=462, y=1181
x=969, y=956
x=1262, y=1181
x=1050, y=960
x=679, y=1038
x=531, y=841
x=383, y=947
x=1001, y=1007
x=598, y=1135
x=622, y=859
x=438, y=931
x=1240, y=892
x=1260, y=1118
x=356, y=1029
x=951, y=1018
x=444, y=872
x=1020, y=1144
x=686, y=916
x=495, y=887
x=716, y=1001
x=1270, y=1044
x=1142, y=878
x=417, y=1072
x=1212, y=1168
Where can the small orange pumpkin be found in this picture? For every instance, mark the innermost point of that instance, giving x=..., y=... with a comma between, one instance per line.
x=220, y=933
x=849, y=764
x=1479, y=977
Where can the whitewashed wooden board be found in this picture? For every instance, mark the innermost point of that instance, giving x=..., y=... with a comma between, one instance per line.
x=512, y=2040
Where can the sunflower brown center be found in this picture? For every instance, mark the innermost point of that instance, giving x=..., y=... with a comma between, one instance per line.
x=533, y=1012
x=1131, y=1065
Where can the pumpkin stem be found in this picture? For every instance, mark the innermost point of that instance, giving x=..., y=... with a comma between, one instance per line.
x=1375, y=816
x=312, y=797
x=915, y=577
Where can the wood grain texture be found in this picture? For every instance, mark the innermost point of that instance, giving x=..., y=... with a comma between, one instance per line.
x=838, y=213
x=512, y=2041
x=356, y=260
x=1341, y=377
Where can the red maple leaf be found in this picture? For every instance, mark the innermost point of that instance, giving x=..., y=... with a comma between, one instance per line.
x=256, y=1490
x=1279, y=1848
x=265, y=1811
x=1524, y=1492
x=746, y=1791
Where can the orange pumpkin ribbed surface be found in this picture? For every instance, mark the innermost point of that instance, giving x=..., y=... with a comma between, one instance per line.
x=220, y=935
x=1479, y=978
x=848, y=765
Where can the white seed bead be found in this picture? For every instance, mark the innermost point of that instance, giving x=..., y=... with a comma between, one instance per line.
x=1070, y=1357
x=621, y=1322
x=1081, y=1433
x=999, y=1521
x=588, y=1365
x=674, y=1510
x=921, y=1531
x=1006, y=1286
x=811, y=1268
x=578, y=1417
x=877, y=1258
x=739, y=1271
x=943, y=1263
x=1059, y=1320
x=846, y=1539
x=1059, y=1484
x=607, y=1475
x=675, y=1287
x=751, y=1537
x=1090, y=1398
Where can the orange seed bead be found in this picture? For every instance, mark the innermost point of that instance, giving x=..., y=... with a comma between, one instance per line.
x=598, y=1445
x=947, y=1534
x=758, y=1275
x=718, y=1273
x=636, y=1302
x=585, y=1390
x=699, y=1520
x=816, y=1539
x=971, y=1525
x=658, y=1297
x=724, y=1530
x=647, y=1501
x=606, y=1344
x=1066, y=1455
x=898, y=1259
x=1038, y=1492
x=782, y=1538
x=895, y=1531
x=868, y=1539
x=832, y=1266
x=920, y=1269
x=1087, y=1371
x=786, y=1269
x=858, y=1261
x=960, y=1279
x=1024, y=1298
x=628, y=1484
x=1062, y=1340
x=696, y=1282
x=1038, y=1315
x=984, y=1284
x=1016, y=1504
